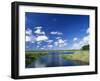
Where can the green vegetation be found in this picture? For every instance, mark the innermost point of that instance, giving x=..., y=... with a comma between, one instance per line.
x=79, y=57
x=35, y=55
x=46, y=51
x=31, y=56
x=86, y=47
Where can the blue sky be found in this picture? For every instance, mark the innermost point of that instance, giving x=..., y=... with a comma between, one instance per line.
x=56, y=31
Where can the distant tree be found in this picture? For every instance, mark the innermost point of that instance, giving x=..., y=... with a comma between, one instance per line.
x=85, y=47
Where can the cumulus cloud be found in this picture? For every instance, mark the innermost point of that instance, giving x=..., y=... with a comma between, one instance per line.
x=37, y=46
x=42, y=38
x=88, y=31
x=82, y=42
x=50, y=46
x=75, y=39
x=60, y=43
x=38, y=27
x=58, y=37
x=86, y=40
x=56, y=33
x=39, y=31
x=40, y=35
x=28, y=32
x=33, y=39
x=49, y=41
x=76, y=46
x=28, y=39
x=56, y=43
x=42, y=48
x=39, y=43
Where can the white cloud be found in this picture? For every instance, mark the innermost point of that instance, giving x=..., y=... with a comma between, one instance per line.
x=56, y=43
x=86, y=40
x=39, y=42
x=38, y=27
x=76, y=46
x=88, y=31
x=63, y=45
x=42, y=38
x=82, y=42
x=28, y=32
x=37, y=46
x=42, y=48
x=50, y=46
x=28, y=39
x=33, y=39
x=38, y=31
x=49, y=41
x=75, y=39
x=40, y=35
x=56, y=33
x=60, y=43
x=53, y=32
x=58, y=37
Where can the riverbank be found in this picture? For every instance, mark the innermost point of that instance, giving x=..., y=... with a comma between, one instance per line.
x=31, y=56
x=80, y=57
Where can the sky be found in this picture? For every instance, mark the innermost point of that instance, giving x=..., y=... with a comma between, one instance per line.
x=46, y=31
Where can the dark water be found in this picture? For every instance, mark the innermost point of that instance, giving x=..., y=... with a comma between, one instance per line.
x=53, y=59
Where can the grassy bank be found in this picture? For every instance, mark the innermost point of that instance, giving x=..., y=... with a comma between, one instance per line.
x=31, y=56
x=80, y=57
x=35, y=55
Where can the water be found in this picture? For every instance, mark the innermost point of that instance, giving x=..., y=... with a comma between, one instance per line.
x=53, y=59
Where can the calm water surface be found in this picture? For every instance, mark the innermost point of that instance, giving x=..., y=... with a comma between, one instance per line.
x=53, y=59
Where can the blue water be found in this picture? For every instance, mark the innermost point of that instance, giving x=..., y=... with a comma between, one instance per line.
x=53, y=59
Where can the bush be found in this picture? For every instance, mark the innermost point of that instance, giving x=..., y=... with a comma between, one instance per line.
x=86, y=47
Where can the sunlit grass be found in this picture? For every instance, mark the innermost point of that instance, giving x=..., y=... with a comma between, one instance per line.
x=82, y=57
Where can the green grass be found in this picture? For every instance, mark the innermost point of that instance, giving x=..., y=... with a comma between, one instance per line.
x=34, y=55
x=31, y=56
x=81, y=57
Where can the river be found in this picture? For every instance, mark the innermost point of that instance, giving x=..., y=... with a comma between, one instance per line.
x=53, y=59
